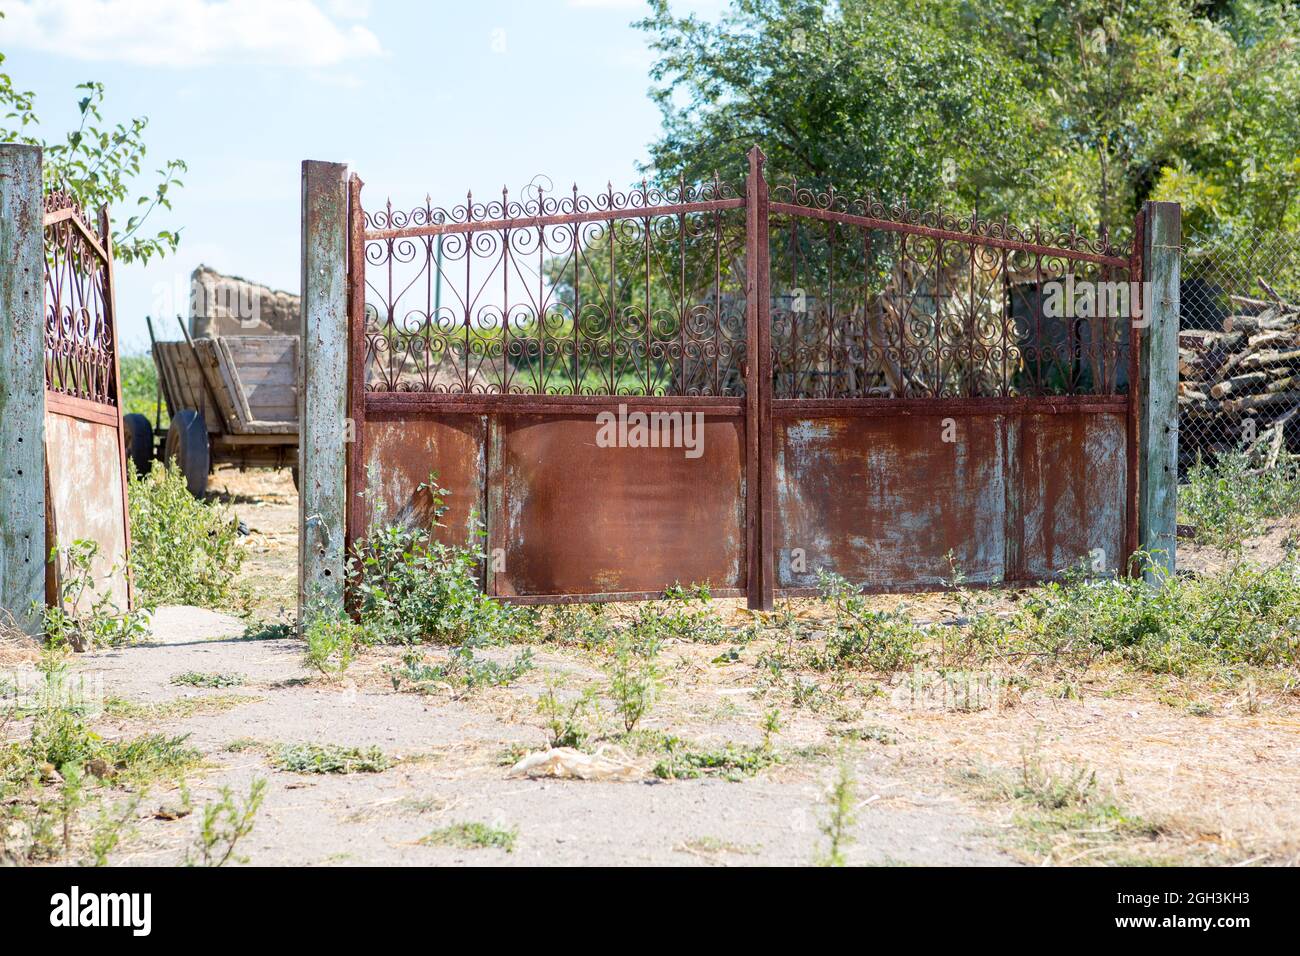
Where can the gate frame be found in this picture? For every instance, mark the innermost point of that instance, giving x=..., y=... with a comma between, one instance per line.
x=334, y=234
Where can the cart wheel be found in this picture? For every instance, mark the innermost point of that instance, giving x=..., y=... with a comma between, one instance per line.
x=187, y=445
x=139, y=441
x=293, y=471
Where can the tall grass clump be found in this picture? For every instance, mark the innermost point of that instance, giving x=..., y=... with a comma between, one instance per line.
x=1228, y=499
x=183, y=551
x=409, y=588
x=1245, y=615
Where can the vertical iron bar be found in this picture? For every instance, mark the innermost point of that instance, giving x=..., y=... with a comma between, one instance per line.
x=357, y=501
x=758, y=386
x=1133, y=433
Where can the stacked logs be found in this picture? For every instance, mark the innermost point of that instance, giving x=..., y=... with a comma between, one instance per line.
x=1240, y=386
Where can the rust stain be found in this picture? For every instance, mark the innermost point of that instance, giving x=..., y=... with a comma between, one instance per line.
x=581, y=519
x=882, y=501
x=401, y=456
x=1073, y=489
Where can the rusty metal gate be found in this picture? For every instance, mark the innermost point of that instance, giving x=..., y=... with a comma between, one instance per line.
x=84, y=438
x=700, y=383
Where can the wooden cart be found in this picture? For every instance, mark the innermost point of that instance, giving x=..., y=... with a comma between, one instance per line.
x=232, y=400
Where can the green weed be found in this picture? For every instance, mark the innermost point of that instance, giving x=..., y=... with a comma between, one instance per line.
x=731, y=762
x=840, y=817
x=223, y=824
x=568, y=722
x=331, y=758
x=634, y=676
x=1228, y=500
x=205, y=679
x=331, y=640
x=183, y=551
x=409, y=588
x=472, y=836
x=71, y=622
x=463, y=671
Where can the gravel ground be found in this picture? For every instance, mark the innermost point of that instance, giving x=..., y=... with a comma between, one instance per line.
x=453, y=774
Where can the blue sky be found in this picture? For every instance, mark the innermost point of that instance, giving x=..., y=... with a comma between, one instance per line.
x=435, y=97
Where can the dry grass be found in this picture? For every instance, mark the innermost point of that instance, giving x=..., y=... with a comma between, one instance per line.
x=16, y=648
x=265, y=500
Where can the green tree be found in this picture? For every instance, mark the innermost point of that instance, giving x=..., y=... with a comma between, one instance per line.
x=98, y=163
x=1069, y=111
x=1187, y=101
x=866, y=95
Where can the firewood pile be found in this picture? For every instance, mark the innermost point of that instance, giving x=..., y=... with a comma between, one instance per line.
x=1241, y=383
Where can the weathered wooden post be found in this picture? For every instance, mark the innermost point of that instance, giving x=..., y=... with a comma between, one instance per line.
x=322, y=391
x=22, y=388
x=1158, y=396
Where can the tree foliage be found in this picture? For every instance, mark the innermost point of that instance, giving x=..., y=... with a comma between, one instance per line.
x=1069, y=111
x=879, y=95
x=99, y=163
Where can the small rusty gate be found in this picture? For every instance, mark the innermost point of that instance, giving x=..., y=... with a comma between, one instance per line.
x=891, y=395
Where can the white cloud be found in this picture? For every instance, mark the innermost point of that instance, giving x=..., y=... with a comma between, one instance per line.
x=179, y=33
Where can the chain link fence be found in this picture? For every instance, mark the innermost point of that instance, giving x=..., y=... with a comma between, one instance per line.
x=1239, y=349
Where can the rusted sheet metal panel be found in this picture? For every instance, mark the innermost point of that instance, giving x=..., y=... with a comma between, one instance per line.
x=576, y=518
x=401, y=455
x=1073, y=491
x=85, y=489
x=882, y=501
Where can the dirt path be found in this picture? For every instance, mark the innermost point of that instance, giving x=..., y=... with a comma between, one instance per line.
x=454, y=773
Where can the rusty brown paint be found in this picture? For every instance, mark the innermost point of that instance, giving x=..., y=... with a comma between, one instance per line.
x=575, y=518
x=886, y=499
x=1073, y=492
x=864, y=484
x=402, y=455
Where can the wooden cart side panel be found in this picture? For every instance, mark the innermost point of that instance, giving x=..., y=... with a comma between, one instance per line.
x=267, y=370
x=223, y=392
x=183, y=382
x=263, y=369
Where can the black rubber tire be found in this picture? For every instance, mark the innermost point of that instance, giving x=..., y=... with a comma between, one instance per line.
x=187, y=445
x=139, y=441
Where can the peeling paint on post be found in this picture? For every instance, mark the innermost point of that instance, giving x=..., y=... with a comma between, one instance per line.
x=22, y=388
x=322, y=392
x=1158, y=447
